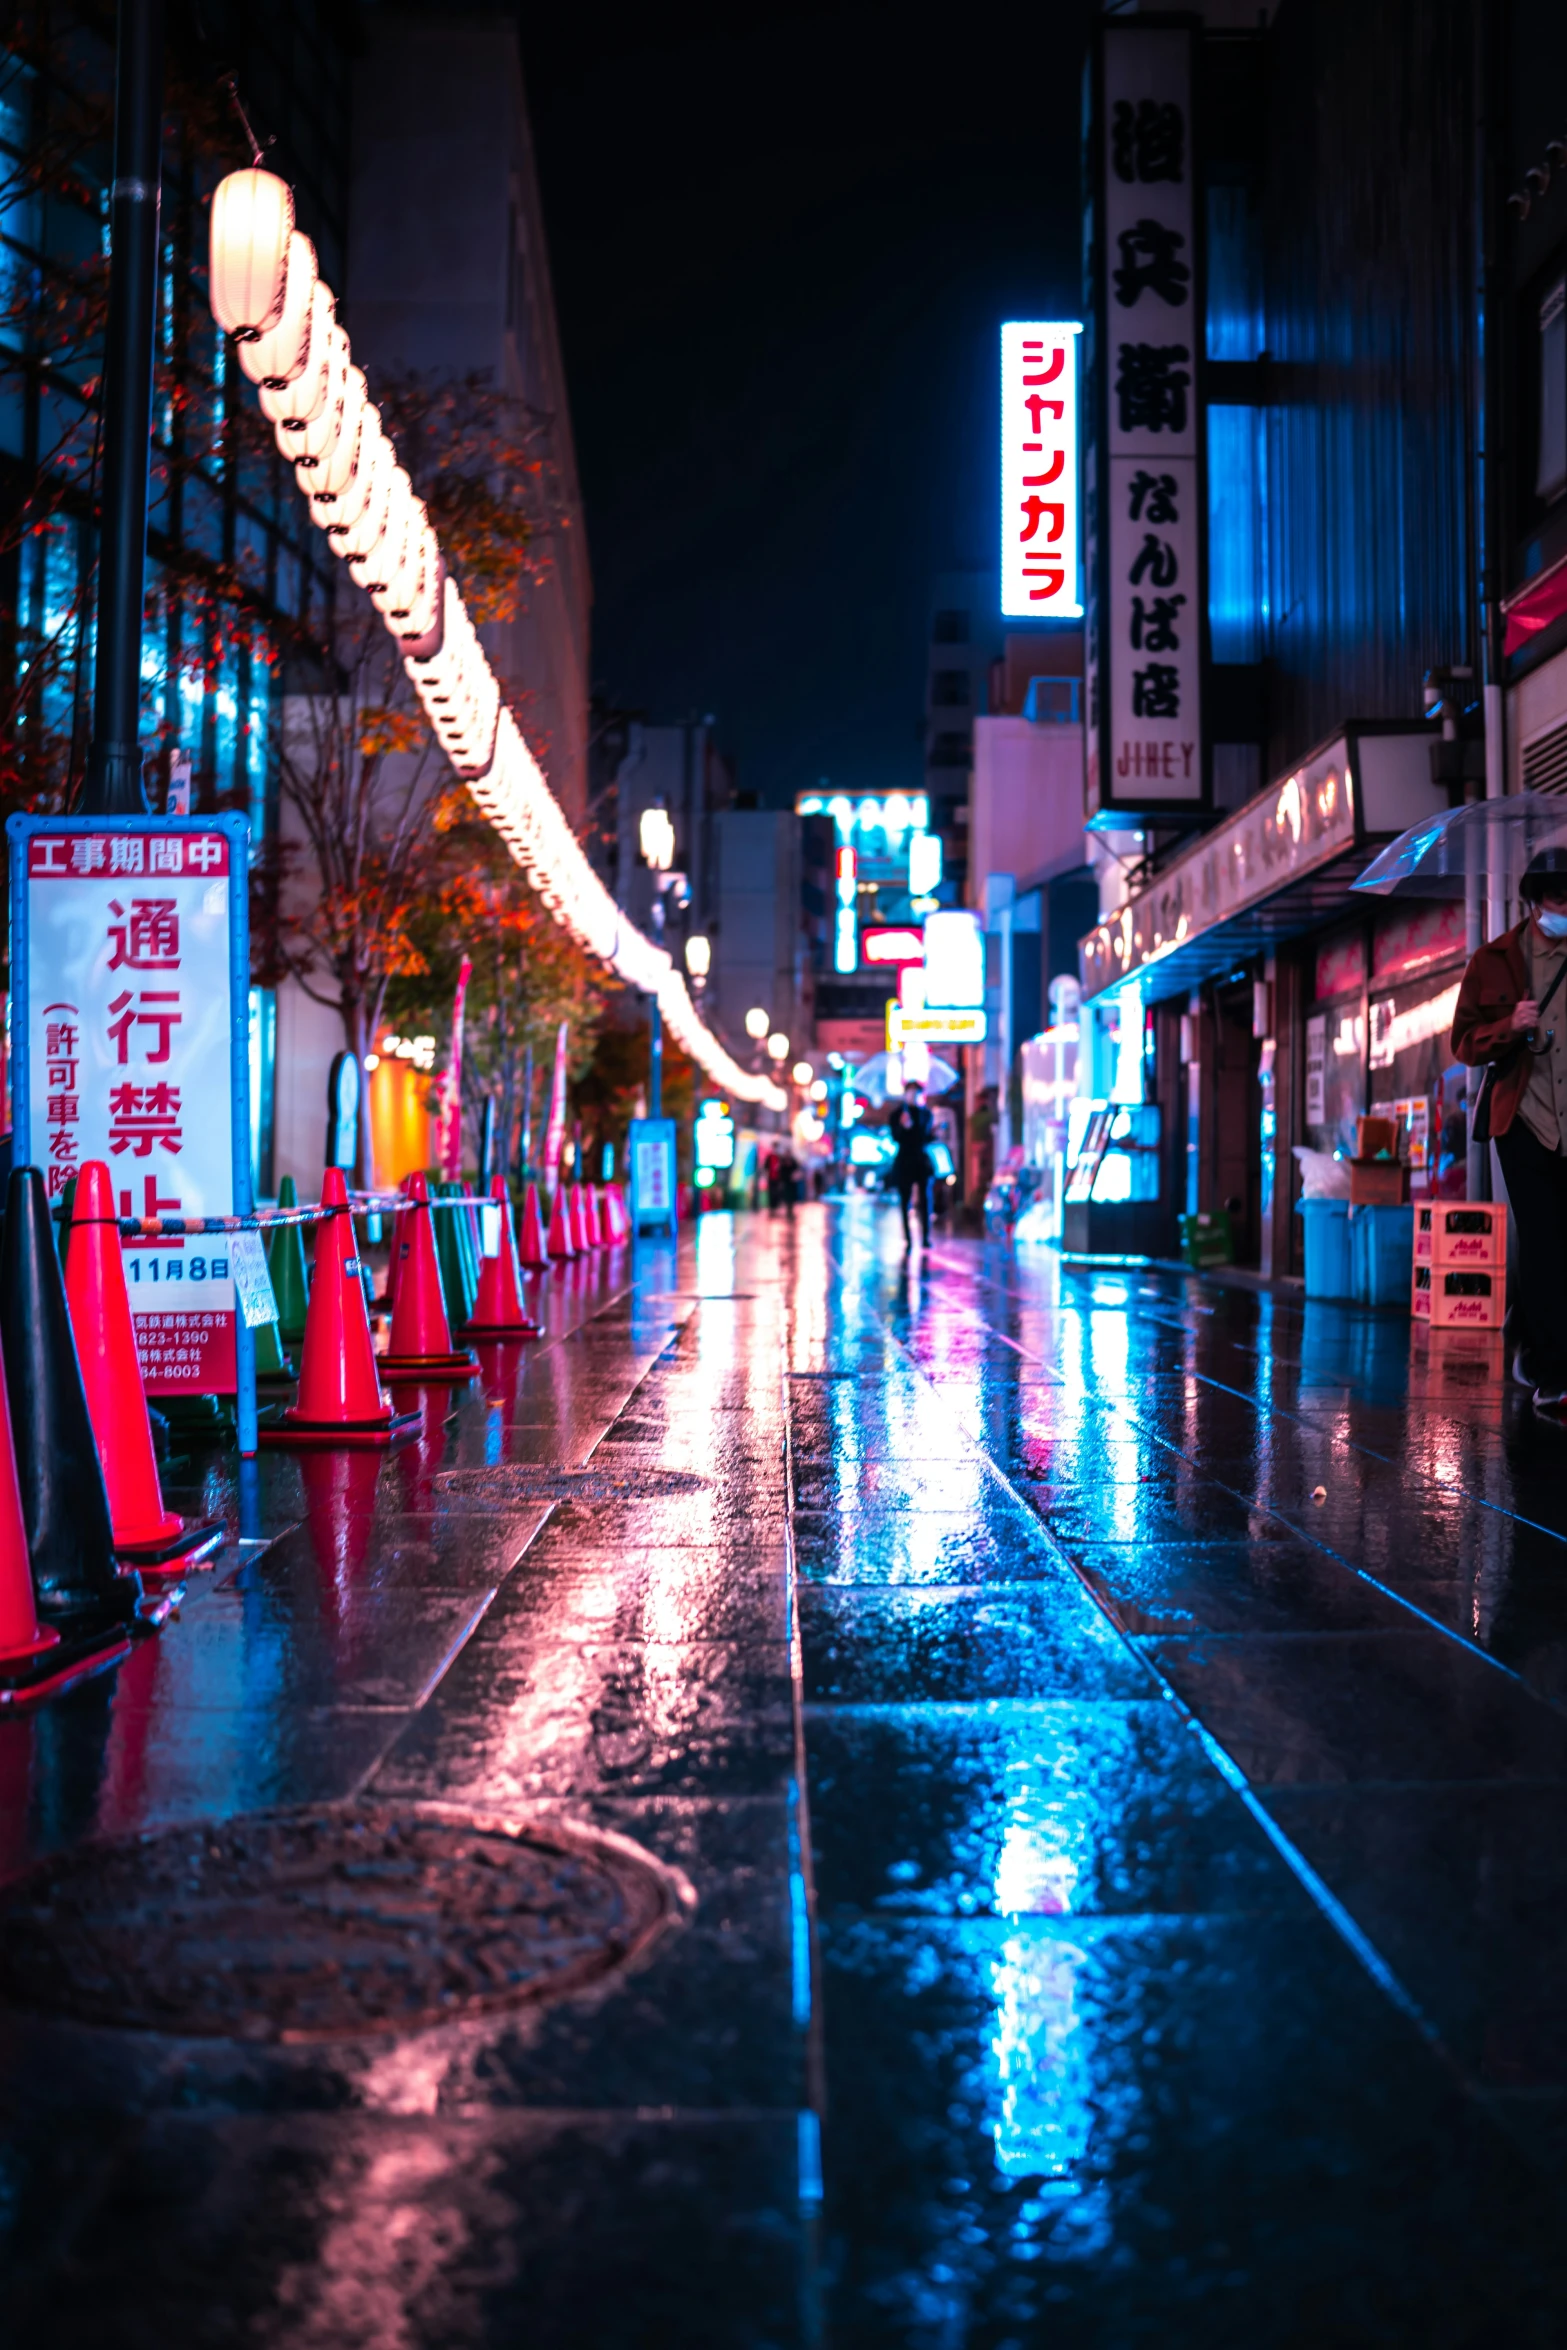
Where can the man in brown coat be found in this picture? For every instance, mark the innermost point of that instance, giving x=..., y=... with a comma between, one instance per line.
x=1499, y=1020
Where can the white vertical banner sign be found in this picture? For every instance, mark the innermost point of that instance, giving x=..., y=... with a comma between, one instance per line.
x=131, y=1051
x=1040, y=573
x=1147, y=750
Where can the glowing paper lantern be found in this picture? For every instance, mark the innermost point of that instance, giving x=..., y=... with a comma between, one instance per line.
x=266, y=291
x=278, y=356
x=334, y=467
x=309, y=446
x=252, y=222
x=291, y=406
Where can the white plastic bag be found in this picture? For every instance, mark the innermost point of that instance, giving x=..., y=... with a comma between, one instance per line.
x=1322, y=1176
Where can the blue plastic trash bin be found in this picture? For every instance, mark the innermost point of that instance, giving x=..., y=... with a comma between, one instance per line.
x=1327, y=1247
x=1382, y=1255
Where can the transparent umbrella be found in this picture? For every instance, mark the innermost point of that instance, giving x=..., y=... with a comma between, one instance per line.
x=1487, y=837
x=881, y=1078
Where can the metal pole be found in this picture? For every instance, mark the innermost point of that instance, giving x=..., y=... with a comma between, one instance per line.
x=655, y=1081
x=113, y=784
x=525, y=1129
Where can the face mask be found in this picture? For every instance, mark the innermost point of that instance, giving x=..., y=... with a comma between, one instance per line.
x=1552, y=923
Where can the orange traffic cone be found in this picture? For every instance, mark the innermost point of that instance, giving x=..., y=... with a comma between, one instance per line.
x=530, y=1246
x=561, y=1241
x=421, y=1345
x=498, y=1310
x=144, y=1531
x=340, y=1398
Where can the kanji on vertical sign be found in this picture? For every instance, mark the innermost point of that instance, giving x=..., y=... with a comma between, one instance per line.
x=129, y=1060
x=1145, y=655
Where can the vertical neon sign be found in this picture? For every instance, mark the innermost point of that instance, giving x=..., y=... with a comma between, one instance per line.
x=846, y=938
x=1039, y=475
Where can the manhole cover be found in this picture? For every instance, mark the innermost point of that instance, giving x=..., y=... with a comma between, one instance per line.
x=329, y=1922
x=520, y=1481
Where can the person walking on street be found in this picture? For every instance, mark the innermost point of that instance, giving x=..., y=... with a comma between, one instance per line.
x=1512, y=1014
x=911, y=1126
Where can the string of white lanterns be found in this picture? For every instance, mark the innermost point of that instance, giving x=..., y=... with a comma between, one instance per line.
x=267, y=293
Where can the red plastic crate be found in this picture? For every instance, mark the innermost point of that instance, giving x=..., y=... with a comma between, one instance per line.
x=1460, y=1297
x=1461, y=1232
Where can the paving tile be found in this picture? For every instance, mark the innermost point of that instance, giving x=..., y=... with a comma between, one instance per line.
x=1464, y=1891
x=1260, y=1585
x=359, y=2231
x=518, y=1720
x=1056, y=1808
x=919, y=1546
x=1142, y=2131
x=1306, y=1709
x=890, y=1647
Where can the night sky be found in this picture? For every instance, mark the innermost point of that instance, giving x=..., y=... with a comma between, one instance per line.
x=782, y=239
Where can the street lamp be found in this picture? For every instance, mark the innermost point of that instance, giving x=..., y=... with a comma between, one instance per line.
x=657, y=836
x=757, y=1023
x=699, y=957
x=778, y=1047
x=802, y=1073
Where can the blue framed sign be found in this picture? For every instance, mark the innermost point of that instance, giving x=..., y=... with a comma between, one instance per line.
x=130, y=1002
x=652, y=1154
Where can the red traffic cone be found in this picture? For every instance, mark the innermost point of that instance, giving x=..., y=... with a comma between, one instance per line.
x=421, y=1345
x=530, y=1246
x=340, y=1398
x=592, y=1217
x=144, y=1531
x=561, y=1240
x=574, y=1218
x=617, y=1222
x=498, y=1310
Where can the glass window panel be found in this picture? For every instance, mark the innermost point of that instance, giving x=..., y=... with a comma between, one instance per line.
x=203, y=517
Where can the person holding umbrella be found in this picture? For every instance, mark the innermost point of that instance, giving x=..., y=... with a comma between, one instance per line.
x=1503, y=1024
x=911, y=1127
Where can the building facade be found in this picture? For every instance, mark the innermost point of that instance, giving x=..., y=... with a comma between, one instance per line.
x=1371, y=340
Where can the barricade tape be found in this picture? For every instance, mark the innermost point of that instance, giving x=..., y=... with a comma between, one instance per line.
x=264, y=1219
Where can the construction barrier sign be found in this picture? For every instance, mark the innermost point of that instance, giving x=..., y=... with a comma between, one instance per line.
x=129, y=1040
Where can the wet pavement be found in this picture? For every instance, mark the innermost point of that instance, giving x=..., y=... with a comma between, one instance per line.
x=1112, y=1726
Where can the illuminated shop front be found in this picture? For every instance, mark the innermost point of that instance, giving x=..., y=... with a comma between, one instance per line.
x=1274, y=1006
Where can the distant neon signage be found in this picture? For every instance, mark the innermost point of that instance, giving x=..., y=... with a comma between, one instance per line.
x=1039, y=477
x=846, y=934
x=896, y=815
x=954, y=962
x=896, y=943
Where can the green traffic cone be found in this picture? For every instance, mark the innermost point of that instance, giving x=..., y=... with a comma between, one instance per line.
x=286, y=1264
x=271, y=1361
x=467, y=1224
x=458, y=1296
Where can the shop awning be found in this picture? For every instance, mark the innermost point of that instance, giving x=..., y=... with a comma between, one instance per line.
x=1534, y=607
x=1278, y=866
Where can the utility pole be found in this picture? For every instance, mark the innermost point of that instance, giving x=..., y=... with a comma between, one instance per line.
x=114, y=782
x=655, y=1075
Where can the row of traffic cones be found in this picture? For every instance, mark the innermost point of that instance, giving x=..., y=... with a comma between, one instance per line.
x=81, y=1506
x=582, y=1219
x=439, y=1277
